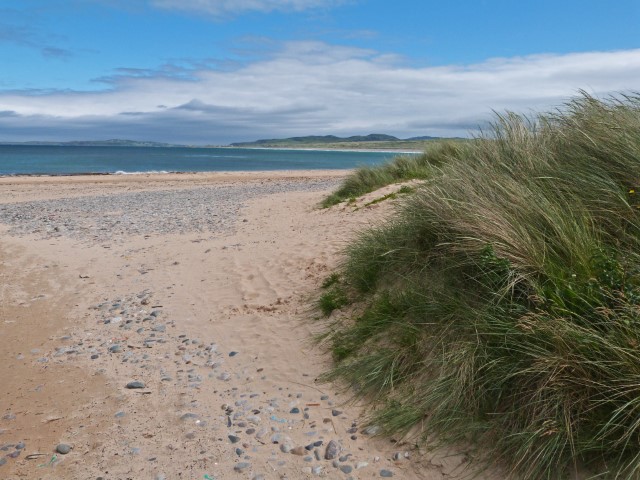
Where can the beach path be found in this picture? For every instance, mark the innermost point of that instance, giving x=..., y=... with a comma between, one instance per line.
x=161, y=326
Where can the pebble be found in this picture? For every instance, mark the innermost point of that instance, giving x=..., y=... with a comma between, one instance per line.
x=135, y=384
x=240, y=467
x=63, y=448
x=3, y=461
x=346, y=469
x=371, y=430
x=204, y=209
x=233, y=439
x=332, y=451
x=386, y=473
x=301, y=451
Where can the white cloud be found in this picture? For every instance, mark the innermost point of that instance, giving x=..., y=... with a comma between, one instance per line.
x=229, y=7
x=315, y=88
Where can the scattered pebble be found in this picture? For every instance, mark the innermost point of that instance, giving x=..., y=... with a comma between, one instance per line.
x=134, y=385
x=63, y=448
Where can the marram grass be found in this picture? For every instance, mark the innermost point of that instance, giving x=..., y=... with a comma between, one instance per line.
x=403, y=167
x=500, y=306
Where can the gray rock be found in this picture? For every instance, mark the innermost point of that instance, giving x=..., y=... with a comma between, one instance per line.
x=3, y=461
x=233, y=439
x=332, y=451
x=63, y=448
x=371, y=430
x=242, y=466
x=346, y=469
x=135, y=384
x=386, y=473
x=335, y=413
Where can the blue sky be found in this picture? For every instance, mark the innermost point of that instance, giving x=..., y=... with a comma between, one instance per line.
x=217, y=71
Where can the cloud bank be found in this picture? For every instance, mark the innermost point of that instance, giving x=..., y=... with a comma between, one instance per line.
x=312, y=88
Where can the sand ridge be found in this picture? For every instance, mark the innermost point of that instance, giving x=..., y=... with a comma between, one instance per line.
x=214, y=324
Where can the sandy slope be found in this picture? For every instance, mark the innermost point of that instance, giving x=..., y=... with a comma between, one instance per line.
x=215, y=324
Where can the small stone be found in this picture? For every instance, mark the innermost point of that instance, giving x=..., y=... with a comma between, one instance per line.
x=360, y=465
x=188, y=416
x=344, y=458
x=259, y=477
x=239, y=452
x=135, y=384
x=115, y=348
x=3, y=461
x=295, y=410
x=20, y=446
x=386, y=473
x=332, y=451
x=233, y=354
x=242, y=466
x=371, y=430
x=300, y=451
x=317, y=470
x=63, y=448
x=346, y=469
x=335, y=413
x=324, y=397
x=233, y=439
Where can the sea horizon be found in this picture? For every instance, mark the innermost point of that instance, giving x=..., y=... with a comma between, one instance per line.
x=56, y=160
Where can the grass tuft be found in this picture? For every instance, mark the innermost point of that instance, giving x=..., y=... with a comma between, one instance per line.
x=402, y=168
x=501, y=303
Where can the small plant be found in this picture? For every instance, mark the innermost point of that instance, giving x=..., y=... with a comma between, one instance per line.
x=331, y=280
x=333, y=299
x=406, y=189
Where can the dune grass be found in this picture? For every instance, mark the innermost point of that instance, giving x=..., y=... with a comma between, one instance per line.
x=501, y=305
x=401, y=168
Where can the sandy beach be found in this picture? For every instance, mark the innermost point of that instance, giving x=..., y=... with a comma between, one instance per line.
x=160, y=326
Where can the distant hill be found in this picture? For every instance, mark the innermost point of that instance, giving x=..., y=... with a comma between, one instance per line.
x=327, y=139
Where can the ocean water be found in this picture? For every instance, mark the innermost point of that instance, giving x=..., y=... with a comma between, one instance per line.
x=65, y=160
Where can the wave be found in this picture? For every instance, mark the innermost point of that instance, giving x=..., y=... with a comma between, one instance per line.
x=122, y=172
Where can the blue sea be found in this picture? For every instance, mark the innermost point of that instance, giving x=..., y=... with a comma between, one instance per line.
x=74, y=160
